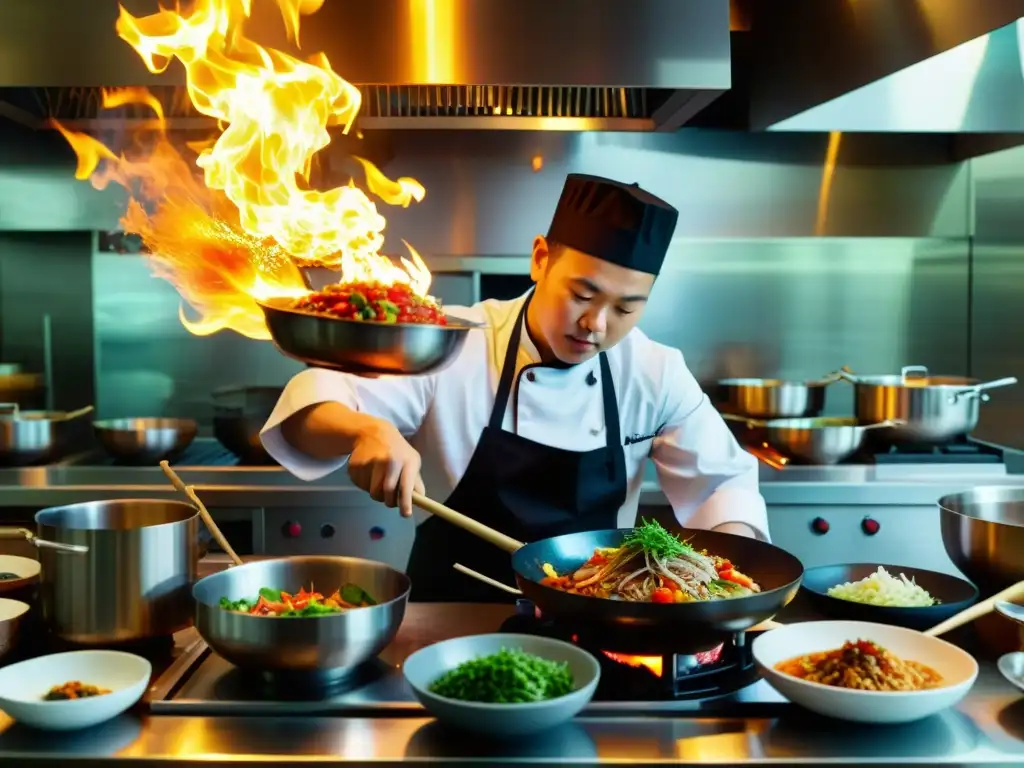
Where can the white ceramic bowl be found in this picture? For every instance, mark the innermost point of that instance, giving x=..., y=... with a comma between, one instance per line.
x=958, y=669
x=23, y=686
x=503, y=720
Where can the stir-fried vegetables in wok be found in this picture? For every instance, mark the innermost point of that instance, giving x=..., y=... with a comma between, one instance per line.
x=653, y=566
x=275, y=603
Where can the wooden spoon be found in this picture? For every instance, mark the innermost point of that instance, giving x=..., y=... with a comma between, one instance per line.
x=976, y=611
x=203, y=512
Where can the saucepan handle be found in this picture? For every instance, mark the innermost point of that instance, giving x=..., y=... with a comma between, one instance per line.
x=31, y=538
x=753, y=423
x=978, y=390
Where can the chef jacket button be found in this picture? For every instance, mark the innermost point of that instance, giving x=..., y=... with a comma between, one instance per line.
x=531, y=376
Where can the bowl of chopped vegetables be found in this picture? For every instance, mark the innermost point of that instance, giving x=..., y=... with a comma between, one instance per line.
x=887, y=594
x=503, y=684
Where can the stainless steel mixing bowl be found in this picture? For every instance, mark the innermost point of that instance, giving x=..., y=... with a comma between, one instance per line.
x=983, y=532
x=145, y=441
x=324, y=647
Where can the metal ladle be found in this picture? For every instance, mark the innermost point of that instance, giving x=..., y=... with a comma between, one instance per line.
x=31, y=538
x=1011, y=611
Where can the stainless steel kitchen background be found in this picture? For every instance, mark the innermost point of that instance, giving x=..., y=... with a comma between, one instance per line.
x=759, y=280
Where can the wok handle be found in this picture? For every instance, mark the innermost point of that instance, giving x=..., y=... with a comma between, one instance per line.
x=468, y=524
x=976, y=611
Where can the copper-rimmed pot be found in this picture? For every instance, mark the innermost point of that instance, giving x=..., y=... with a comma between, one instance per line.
x=933, y=409
x=771, y=398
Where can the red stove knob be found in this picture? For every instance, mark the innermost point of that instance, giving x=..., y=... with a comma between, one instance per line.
x=870, y=526
x=820, y=525
x=291, y=530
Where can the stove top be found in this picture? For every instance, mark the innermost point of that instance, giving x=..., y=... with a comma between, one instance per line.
x=721, y=680
x=962, y=452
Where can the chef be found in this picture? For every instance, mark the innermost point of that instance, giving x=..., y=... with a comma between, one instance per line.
x=543, y=423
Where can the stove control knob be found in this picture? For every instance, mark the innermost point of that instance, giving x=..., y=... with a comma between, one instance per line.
x=870, y=526
x=820, y=525
x=291, y=530
x=326, y=531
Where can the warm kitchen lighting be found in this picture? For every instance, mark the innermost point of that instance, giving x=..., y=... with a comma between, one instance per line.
x=237, y=222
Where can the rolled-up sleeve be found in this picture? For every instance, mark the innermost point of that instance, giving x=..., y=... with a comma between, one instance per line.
x=709, y=480
x=400, y=400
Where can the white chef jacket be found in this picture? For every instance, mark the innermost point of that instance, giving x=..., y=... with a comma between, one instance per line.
x=706, y=476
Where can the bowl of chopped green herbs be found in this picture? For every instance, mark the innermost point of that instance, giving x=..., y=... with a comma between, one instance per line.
x=503, y=684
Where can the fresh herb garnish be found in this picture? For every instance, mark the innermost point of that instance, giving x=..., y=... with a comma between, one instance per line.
x=655, y=540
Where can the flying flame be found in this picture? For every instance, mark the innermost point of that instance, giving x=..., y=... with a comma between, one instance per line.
x=240, y=230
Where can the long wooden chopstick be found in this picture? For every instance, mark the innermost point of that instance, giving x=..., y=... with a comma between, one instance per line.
x=467, y=524
x=204, y=513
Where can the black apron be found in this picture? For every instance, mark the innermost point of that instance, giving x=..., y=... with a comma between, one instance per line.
x=525, y=490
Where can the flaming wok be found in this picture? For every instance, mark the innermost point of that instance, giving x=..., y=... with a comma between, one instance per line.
x=361, y=347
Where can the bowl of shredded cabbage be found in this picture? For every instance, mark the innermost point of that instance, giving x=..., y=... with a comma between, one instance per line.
x=887, y=594
x=502, y=684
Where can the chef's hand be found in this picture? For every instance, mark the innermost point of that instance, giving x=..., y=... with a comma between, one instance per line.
x=384, y=465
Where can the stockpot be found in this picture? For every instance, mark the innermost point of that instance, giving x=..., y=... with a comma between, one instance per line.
x=135, y=581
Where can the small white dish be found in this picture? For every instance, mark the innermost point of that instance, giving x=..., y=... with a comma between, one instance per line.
x=1011, y=665
x=958, y=668
x=423, y=667
x=23, y=686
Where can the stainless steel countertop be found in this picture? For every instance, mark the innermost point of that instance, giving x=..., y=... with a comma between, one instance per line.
x=987, y=729
x=273, y=486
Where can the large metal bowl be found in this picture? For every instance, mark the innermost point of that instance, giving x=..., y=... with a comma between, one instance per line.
x=322, y=647
x=983, y=532
x=145, y=441
x=366, y=348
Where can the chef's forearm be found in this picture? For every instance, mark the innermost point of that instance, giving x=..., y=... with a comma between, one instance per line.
x=327, y=430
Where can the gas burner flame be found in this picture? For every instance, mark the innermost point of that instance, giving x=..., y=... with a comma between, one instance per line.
x=655, y=664
x=236, y=224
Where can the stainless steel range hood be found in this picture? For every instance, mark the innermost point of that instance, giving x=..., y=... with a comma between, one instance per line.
x=481, y=64
x=921, y=66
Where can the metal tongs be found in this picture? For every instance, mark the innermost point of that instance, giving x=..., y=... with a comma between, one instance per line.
x=31, y=538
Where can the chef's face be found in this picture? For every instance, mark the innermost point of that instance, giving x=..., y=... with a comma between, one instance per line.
x=582, y=305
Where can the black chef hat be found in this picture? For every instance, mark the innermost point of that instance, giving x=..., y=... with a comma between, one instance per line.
x=616, y=222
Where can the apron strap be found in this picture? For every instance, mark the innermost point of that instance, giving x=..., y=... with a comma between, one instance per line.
x=508, y=370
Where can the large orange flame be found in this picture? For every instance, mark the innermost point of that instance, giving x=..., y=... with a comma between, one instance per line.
x=240, y=230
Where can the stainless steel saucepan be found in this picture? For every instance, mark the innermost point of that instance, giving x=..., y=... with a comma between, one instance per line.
x=813, y=441
x=30, y=437
x=934, y=409
x=770, y=398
